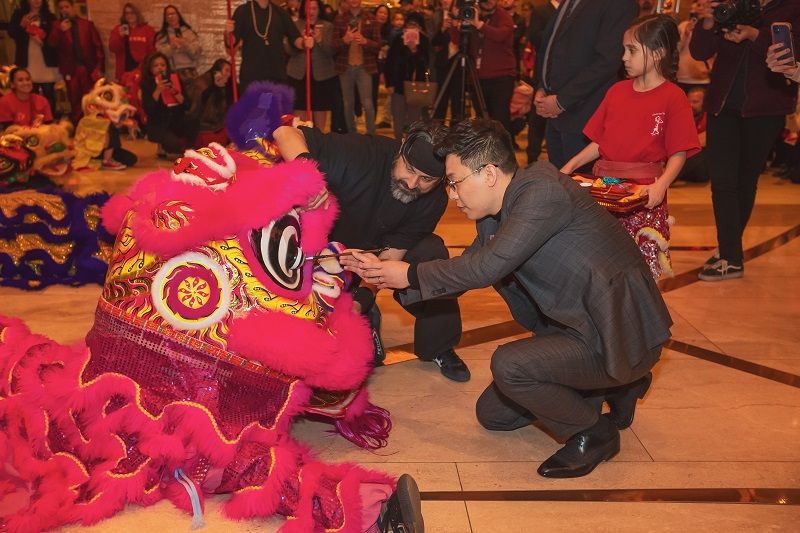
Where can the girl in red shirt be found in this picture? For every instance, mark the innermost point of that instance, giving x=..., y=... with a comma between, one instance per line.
x=643, y=132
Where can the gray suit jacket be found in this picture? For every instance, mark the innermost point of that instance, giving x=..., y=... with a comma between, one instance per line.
x=561, y=261
x=323, y=64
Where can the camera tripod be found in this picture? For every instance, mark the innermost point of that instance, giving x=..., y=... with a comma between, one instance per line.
x=465, y=66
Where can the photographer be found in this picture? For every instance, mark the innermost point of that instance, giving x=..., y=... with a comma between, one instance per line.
x=746, y=106
x=492, y=46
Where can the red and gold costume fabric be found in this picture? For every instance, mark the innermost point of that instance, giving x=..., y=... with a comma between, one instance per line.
x=211, y=334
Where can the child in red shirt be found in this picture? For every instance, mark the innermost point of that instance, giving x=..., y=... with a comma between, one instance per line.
x=642, y=123
x=22, y=106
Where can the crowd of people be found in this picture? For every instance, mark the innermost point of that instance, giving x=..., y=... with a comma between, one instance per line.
x=713, y=90
x=177, y=107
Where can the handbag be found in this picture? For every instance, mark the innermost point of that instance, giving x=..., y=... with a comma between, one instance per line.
x=420, y=93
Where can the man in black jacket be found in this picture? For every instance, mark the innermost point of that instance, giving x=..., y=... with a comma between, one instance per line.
x=578, y=61
x=390, y=196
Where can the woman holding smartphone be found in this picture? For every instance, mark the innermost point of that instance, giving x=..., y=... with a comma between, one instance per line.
x=131, y=41
x=746, y=105
x=163, y=101
x=180, y=44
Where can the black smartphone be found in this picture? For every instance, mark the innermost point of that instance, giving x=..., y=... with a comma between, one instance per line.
x=353, y=25
x=782, y=34
x=177, y=32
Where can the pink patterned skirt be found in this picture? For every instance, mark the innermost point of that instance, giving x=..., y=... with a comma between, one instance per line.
x=648, y=227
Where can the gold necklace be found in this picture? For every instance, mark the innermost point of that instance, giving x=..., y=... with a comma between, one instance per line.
x=269, y=20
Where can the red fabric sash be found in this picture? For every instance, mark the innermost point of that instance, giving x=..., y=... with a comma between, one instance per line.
x=641, y=173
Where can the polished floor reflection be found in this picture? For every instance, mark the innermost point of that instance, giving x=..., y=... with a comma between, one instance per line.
x=714, y=446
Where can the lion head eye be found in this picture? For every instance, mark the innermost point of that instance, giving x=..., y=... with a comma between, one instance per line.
x=108, y=96
x=32, y=141
x=277, y=248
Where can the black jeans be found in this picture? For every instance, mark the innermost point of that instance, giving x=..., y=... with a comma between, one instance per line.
x=120, y=154
x=537, y=126
x=737, y=152
x=437, y=327
x=451, y=97
x=497, y=92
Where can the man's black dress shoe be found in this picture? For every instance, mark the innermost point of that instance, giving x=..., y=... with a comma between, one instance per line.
x=402, y=512
x=583, y=451
x=623, y=401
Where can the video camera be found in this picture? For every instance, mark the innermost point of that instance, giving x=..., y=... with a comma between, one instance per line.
x=466, y=11
x=729, y=14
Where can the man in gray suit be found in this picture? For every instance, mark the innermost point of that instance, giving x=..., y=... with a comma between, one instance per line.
x=570, y=273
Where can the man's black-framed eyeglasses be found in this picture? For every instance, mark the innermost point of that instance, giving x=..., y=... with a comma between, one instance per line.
x=451, y=183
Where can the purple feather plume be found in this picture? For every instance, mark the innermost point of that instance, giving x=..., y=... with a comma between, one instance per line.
x=258, y=113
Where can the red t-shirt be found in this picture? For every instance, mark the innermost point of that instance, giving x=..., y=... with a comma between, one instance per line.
x=12, y=109
x=643, y=127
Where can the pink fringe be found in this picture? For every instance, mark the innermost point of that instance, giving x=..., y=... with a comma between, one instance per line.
x=364, y=424
x=335, y=362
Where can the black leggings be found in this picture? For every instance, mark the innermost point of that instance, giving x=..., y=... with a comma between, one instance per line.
x=737, y=152
x=119, y=153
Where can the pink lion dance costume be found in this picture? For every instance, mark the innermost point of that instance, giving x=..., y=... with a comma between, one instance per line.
x=212, y=332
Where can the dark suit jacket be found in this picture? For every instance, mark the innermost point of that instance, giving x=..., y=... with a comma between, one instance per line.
x=585, y=58
x=562, y=262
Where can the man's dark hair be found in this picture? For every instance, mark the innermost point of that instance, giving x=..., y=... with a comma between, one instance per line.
x=480, y=142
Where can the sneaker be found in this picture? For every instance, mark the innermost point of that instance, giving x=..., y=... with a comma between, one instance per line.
x=452, y=366
x=713, y=259
x=383, y=125
x=113, y=165
x=402, y=512
x=721, y=270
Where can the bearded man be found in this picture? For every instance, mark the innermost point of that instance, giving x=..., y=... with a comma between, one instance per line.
x=391, y=198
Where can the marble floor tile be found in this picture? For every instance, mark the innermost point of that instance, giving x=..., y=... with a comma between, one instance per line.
x=163, y=517
x=634, y=475
x=700, y=411
x=749, y=327
x=568, y=517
